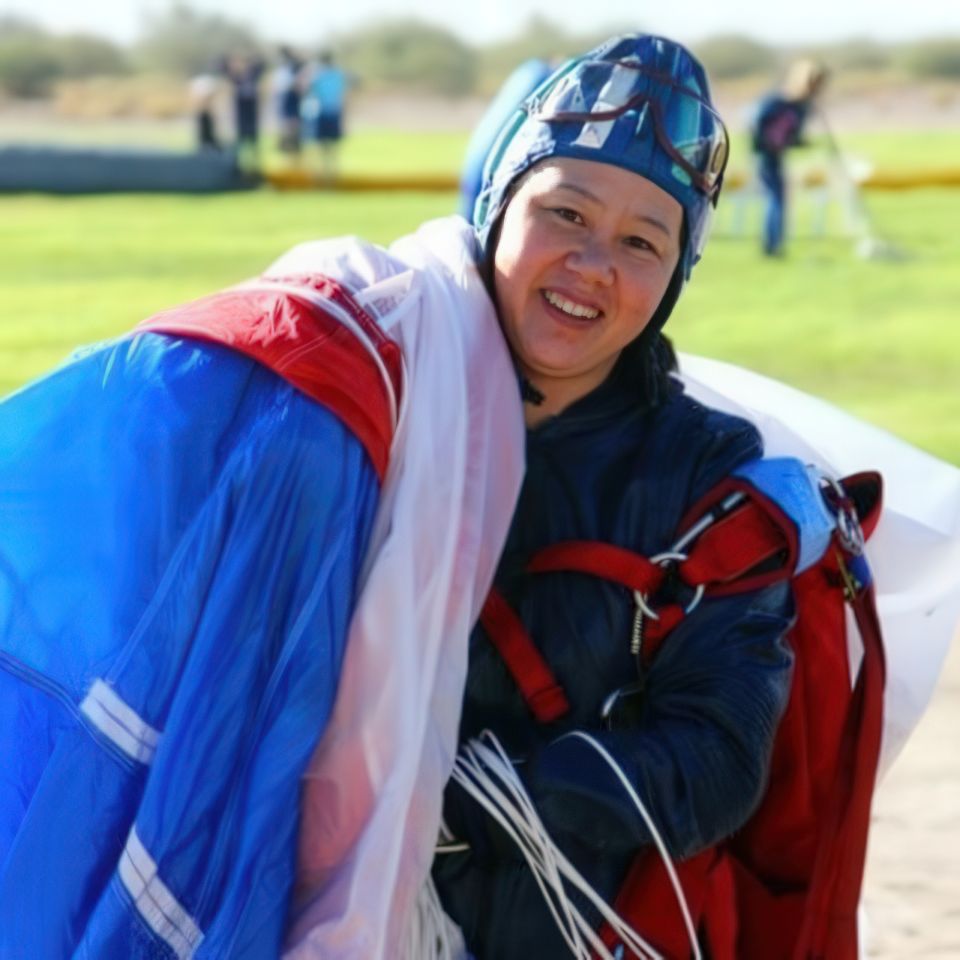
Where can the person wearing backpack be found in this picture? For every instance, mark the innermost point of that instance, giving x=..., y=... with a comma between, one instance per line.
x=602, y=663
x=777, y=126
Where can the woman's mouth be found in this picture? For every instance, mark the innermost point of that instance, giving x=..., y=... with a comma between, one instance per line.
x=569, y=308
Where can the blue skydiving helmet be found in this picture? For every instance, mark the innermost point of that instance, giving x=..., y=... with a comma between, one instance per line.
x=638, y=102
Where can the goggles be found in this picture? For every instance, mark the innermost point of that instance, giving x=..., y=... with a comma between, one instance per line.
x=687, y=128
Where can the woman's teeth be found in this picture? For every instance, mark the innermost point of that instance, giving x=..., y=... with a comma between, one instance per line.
x=569, y=307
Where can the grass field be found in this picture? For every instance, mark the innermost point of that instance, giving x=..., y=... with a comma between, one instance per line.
x=879, y=338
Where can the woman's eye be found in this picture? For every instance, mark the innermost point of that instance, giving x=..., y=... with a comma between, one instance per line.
x=639, y=243
x=567, y=214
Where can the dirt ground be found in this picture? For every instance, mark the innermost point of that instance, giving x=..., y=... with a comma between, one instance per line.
x=912, y=888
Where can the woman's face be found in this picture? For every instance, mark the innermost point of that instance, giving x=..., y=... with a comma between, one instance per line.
x=585, y=254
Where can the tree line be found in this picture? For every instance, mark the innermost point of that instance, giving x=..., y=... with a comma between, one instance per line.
x=405, y=54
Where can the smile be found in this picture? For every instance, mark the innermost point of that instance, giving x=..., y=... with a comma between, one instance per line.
x=569, y=307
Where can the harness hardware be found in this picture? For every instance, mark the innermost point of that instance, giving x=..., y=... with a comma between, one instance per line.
x=709, y=518
x=636, y=633
x=614, y=697
x=849, y=531
x=851, y=585
x=672, y=558
x=643, y=610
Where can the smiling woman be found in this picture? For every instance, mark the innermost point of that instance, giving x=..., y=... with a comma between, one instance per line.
x=584, y=258
x=243, y=551
x=637, y=704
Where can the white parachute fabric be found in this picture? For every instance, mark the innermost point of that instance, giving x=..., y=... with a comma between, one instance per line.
x=372, y=795
x=915, y=551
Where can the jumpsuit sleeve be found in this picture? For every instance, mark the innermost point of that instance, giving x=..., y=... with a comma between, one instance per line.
x=699, y=753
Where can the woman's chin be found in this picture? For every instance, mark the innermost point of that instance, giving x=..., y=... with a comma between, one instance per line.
x=550, y=373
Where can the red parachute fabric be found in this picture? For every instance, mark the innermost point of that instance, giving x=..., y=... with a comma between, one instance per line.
x=310, y=348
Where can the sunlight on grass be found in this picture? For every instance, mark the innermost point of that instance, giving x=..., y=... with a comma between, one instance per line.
x=877, y=337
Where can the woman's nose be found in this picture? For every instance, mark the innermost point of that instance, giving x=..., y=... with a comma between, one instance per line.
x=592, y=261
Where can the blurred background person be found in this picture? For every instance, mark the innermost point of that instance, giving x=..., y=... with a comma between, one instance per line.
x=244, y=72
x=287, y=81
x=203, y=96
x=778, y=124
x=326, y=90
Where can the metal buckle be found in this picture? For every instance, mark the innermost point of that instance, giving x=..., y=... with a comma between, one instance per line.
x=673, y=557
x=849, y=531
x=640, y=599
x=645, y=610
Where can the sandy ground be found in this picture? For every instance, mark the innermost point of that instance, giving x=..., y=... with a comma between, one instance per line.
x=912, y=887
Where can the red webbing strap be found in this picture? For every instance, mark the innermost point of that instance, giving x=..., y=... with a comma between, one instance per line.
x=730, y=547
x=656, y=631
x=733, y=545
x=726, y=550
x=530, y=672
x=829, y=930
x=647, y=901
x=602, y=560
x=307, y=346
x=608, y=562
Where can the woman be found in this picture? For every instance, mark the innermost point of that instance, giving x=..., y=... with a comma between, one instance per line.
x=595, y=208
x=196, y=557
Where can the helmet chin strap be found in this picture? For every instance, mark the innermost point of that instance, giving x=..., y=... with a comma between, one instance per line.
x=529, y=393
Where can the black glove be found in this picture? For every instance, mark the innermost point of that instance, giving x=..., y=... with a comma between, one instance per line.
x=469, y=822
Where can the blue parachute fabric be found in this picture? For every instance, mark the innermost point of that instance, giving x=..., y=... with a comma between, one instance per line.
x=794, y=487
x=181, y=534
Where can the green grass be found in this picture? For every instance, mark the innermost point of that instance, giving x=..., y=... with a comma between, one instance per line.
x=73, y=270
x=879, y=338
x=434, y=151
x=889, y=149
x=370, y=151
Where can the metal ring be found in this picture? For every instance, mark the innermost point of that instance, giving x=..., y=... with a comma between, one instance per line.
x=669, y=556
x=834, y=484
x=851, y=533
x=641, y=602
x=848, y=523
x=695, y=602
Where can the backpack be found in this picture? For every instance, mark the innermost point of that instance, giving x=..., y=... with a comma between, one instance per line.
x=775, y=126
x=787, y=885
